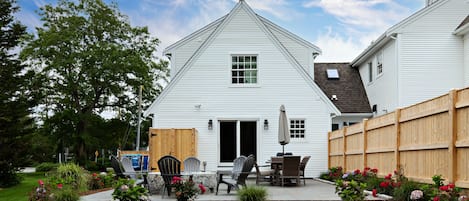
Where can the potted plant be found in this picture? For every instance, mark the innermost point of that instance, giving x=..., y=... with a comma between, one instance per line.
x=126, y=190
x=186, y=189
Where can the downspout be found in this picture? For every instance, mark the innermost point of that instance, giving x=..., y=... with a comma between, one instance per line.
x=397, y=40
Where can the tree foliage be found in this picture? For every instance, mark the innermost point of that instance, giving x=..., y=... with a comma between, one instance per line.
x=90, y=59
x=15, y=97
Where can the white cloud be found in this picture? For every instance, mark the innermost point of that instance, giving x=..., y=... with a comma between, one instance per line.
x=337, y=48
x=364, y=14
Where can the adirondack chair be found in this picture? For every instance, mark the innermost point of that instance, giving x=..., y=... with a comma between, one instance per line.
x=117, y=166
x=130, y=171
x=191, y=165
x=239, y=178
x=303, y=163
x=169, y=167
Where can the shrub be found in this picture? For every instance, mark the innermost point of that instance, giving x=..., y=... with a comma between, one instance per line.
x=404, y=191
x=350, y=190
x=332, y=174
x=65, y=194
x=252, y=193
x=8, y=175
x=46, y=167
x=126, y=190
x=70, y=174
x=98, y=181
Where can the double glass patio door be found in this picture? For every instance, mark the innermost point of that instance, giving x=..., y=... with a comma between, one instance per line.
x=237, y=138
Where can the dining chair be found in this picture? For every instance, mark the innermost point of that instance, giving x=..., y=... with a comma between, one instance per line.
x=191, y=165
x=262, y=174
x=169, y=167
x=290, y=169
x=303, y=164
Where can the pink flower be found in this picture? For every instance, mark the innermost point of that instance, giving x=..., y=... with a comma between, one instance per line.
x=59, y=186
x=202, y=188
x=436, y=198
x=41, y=182
x=374, y=192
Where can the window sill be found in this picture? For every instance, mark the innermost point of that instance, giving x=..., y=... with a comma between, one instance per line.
x=244, y=86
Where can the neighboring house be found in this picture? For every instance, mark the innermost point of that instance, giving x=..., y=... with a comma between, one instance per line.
x=343, y=85
x=229, y=80
x=421, y=57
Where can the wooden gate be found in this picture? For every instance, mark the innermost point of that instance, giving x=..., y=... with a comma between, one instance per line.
x=180, y=143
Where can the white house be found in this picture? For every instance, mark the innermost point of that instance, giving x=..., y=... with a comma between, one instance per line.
x=421, y=57
x=229, y=80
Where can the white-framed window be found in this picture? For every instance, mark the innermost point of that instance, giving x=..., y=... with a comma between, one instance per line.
x=244, y=69
x=297, y=128
x=379, y=61
x=370, y=72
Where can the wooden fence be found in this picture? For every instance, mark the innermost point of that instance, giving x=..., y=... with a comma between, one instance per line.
x=423, y=140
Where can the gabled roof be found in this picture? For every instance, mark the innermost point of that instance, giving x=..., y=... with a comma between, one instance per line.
x=388, y=34
x=463, y=28
x=219, y=27
x=348, y=88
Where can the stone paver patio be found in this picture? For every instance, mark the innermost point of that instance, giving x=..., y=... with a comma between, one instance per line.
x=314, y=190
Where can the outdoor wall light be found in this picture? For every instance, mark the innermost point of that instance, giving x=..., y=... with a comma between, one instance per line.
x=210, y=124
x=266, y=124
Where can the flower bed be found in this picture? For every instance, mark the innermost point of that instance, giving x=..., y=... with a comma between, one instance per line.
x=358, y=184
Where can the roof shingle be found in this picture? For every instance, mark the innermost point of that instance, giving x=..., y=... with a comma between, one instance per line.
x=349, y=90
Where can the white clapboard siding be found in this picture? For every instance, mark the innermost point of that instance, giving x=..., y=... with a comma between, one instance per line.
x=208, y=83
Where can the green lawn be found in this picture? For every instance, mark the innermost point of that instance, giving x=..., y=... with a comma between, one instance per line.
x=20, y=192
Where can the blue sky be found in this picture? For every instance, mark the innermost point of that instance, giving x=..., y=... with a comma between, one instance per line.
x=341, y=28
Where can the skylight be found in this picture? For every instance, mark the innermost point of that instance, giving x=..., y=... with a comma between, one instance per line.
x=332, y=74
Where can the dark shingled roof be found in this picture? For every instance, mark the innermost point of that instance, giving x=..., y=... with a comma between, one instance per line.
x=464, y=22
x=351, y=95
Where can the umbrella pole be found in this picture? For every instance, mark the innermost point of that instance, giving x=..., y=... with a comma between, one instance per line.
x=283, y=149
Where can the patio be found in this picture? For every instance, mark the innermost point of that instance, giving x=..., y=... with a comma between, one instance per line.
x=314, y=190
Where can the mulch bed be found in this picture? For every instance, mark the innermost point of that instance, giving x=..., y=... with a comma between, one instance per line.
x=95, y=191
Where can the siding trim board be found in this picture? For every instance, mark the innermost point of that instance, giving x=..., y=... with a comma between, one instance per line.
x=242, y=5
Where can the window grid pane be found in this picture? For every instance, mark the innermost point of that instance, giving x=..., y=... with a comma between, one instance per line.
x=297, y=128
x=244, y=69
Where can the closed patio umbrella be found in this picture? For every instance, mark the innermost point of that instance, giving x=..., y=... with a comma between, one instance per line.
x=283, y=130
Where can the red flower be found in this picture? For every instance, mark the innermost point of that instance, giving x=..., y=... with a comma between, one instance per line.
x=436, y=198
x=357, y=171
x=451, y=185
x=375, y=192
x=374, y=170
x=40, y=182
x=176, y=180
x=95, y=175
x=396, y=184
x=202, y=188
x=444, y=188
x=384, y=184
x=364, y=173
x=367, y=168
x=59, y=186
x=395, y=172
x=388, y=177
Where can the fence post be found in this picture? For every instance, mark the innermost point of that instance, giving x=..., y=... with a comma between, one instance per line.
x=397, y=127
x=365, y=121
x=452, y=121
x=344, y=149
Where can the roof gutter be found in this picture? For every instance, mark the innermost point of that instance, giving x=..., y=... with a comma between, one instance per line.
x=383, y=39
x=461, y=31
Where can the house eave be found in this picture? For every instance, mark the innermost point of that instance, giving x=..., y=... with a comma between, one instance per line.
x=356, y=115
x=370, y=50
x=461, y=31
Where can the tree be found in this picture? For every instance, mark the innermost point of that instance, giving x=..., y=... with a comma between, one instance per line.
x=91, y=59
x=15, y=97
